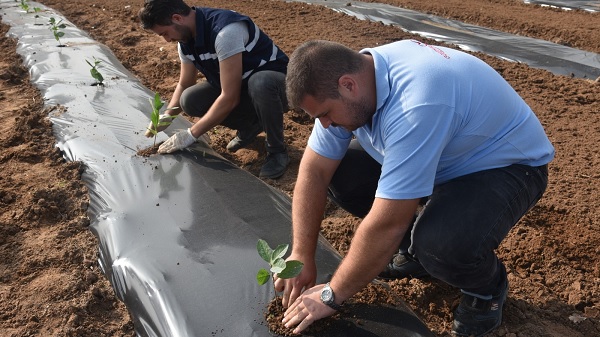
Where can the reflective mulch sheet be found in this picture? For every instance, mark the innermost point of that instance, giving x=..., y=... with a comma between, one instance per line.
x=536, y=53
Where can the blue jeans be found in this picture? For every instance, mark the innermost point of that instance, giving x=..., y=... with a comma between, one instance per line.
x=462, y=222
x=263, y=101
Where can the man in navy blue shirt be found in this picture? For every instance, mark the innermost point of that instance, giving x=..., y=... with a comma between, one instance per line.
x=245, y=78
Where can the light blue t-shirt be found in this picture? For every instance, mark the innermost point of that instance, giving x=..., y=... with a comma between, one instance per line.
x=441, y=113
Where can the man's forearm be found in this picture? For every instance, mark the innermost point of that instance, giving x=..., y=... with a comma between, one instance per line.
x=308, y=208
x=174, y=102
x=217, y=113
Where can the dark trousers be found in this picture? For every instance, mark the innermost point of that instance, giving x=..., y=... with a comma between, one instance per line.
x=464, y=220
x=263, y=102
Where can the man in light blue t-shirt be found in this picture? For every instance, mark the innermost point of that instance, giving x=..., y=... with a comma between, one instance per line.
x=438, y=155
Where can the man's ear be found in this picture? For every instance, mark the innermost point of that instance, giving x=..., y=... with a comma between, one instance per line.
x=347, y=84
x=177, y=18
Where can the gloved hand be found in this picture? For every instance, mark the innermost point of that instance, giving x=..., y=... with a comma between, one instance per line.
x=178, y=141
x=163, y=122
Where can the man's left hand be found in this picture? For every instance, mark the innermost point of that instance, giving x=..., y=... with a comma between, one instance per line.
x=306, y=309
x=178, y=141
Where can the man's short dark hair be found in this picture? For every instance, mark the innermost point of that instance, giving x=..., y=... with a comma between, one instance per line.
x=315, y=68
x=160, y=12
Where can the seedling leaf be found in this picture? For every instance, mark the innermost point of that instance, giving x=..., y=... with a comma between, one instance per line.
x=262, y=276
x=278, y=265
x=279, y=252
x=94, y=71
x=96, y=74
x=165, y=123
x=264, y=250
x=158, y=103
x=292, y=269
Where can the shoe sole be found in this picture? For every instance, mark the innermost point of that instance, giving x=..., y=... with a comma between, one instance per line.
x=274, y=176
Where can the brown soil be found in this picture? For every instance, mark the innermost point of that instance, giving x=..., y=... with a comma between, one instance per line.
x=51, y=285
x=147, y=152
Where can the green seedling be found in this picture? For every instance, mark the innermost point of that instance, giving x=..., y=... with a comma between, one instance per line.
x=94, y=71
x=283, y=269
x=35, y=10
x=157, y=104
x=55, y=27
x=24, y=6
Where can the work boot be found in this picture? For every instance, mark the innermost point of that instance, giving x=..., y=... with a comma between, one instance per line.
x=275, y=165
x=476, y=317
x=403, y=265
x=244, y=138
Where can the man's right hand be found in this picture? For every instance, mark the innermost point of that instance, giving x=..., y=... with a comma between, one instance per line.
x=293, y=287
x=163, y=123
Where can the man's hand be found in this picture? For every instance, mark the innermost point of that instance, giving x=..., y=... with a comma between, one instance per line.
x=307, y=309
x=178, y=141
x=163, y=123
x=293, y=287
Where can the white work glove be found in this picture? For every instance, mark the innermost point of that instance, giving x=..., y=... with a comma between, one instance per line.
x=178, y=141
x=163, y=122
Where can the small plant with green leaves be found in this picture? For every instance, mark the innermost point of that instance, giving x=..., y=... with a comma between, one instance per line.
x=55, y=27
x=94, y=71
x=157, y=120
x=24, y=6
x=274, y=257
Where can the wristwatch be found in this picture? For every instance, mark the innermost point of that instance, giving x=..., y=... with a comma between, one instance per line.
x=328, y=297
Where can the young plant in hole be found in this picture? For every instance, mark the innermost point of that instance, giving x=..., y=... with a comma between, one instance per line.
x=283, y=269
x=55, y=27
x=95, y=73
x=25, y=6
x=36, y=23
x=155, y=116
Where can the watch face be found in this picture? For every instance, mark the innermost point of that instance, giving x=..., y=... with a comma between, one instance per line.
x=326, y=295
